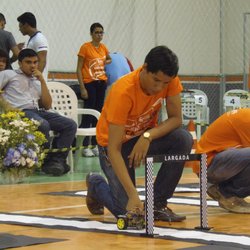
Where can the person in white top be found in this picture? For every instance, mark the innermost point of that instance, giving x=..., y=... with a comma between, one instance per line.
x=37, y=41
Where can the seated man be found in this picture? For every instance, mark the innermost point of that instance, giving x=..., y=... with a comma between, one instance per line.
x=26, y=89
x=227, y=145
x=127, y=131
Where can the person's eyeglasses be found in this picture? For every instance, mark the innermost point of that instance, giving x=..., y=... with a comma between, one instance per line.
x=99, y=32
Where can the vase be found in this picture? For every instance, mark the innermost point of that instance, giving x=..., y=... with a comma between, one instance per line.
x=13, y=176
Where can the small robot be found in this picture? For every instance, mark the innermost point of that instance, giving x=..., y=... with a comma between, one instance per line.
x=132, y=219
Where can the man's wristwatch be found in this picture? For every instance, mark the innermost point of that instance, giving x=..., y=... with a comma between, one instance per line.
x=147, y=136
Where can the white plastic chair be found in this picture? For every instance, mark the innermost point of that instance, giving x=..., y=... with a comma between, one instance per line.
x=235, y=99
x=64, y=101
x=195, y=107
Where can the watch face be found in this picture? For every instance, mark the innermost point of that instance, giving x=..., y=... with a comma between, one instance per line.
x=146, y=135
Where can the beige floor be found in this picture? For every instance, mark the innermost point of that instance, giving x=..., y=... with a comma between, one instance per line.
x=30, y=199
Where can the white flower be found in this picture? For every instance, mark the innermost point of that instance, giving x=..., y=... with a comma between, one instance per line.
x=4, y=132
x=4, y=136
x=19, y=124
x=30, y=162
x=23, y=161
x=35, y=122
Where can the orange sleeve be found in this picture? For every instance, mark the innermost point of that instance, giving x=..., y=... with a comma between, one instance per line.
x=82, y=51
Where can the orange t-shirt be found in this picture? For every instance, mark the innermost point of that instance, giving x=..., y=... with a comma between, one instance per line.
x=94, y=62
x=126, y=104
x=231, y=130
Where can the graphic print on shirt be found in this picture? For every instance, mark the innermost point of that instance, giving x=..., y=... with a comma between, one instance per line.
x=139, y=124
x=96, y=68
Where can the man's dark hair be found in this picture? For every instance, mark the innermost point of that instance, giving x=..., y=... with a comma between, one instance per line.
x=2, y=17
x=5, y=55
x=161, y=58
x=95, y=25
x=28, y=18
x=26, y=53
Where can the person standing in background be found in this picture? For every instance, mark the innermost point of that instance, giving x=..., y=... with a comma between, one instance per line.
x=92, y=58
x=7, y=41
x=37, y=41
x=119, y=66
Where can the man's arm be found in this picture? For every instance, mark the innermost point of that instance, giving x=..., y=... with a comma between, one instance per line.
x=42, y=60
x=84, y=93
x=116, y=134
x=15, y=51
x=108, y=59
x=45, y=100
x=174, y=121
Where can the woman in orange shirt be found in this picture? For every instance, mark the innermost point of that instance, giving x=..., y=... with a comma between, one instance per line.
x=92, y=58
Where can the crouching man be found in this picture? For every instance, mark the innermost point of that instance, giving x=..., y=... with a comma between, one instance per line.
x=127, y=131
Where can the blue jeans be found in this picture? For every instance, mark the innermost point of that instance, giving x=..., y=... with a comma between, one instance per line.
x=230, y=170
x=113, y=196
x=63, y=126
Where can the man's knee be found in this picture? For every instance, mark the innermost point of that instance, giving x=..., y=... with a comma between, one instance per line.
x=73, y=126
x=68, y=125
x=183, y=140
x=44, y=127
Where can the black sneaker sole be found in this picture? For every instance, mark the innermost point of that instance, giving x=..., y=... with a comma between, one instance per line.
x=56, y=170
x=169, y=219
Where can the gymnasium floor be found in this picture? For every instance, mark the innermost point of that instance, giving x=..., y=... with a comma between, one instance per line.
x=50, y=213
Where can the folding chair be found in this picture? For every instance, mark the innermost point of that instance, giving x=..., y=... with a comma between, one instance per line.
x=235, y=99
x=65, y=102
x=194, y=107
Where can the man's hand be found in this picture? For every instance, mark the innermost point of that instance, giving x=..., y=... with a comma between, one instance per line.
x=20, y=46
x=36, y=73
x=139, y=152
x=84, y=92
x=134, y=202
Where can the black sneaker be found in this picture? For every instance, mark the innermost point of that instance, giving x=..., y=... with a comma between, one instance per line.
x=166, y=214
x=53, y=167
x=93, y=205
x=66, y=167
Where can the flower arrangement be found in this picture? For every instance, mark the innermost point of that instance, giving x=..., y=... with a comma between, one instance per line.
x=20, y=143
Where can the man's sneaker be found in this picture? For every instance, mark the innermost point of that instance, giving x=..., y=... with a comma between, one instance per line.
x=166, y=214
x=232, y=204
x=95, y=151
x=66, y=167
x=93, y=205
x=54, y=167
x=87, y=152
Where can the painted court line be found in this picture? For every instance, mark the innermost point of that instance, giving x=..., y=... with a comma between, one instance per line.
x=164, y=233
x=48, y=209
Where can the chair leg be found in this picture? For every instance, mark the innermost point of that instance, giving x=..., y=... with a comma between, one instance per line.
x=70, y=161
x=79, y=140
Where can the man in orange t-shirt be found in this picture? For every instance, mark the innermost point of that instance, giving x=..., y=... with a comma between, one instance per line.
x=127, y=131
x=227, y=145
